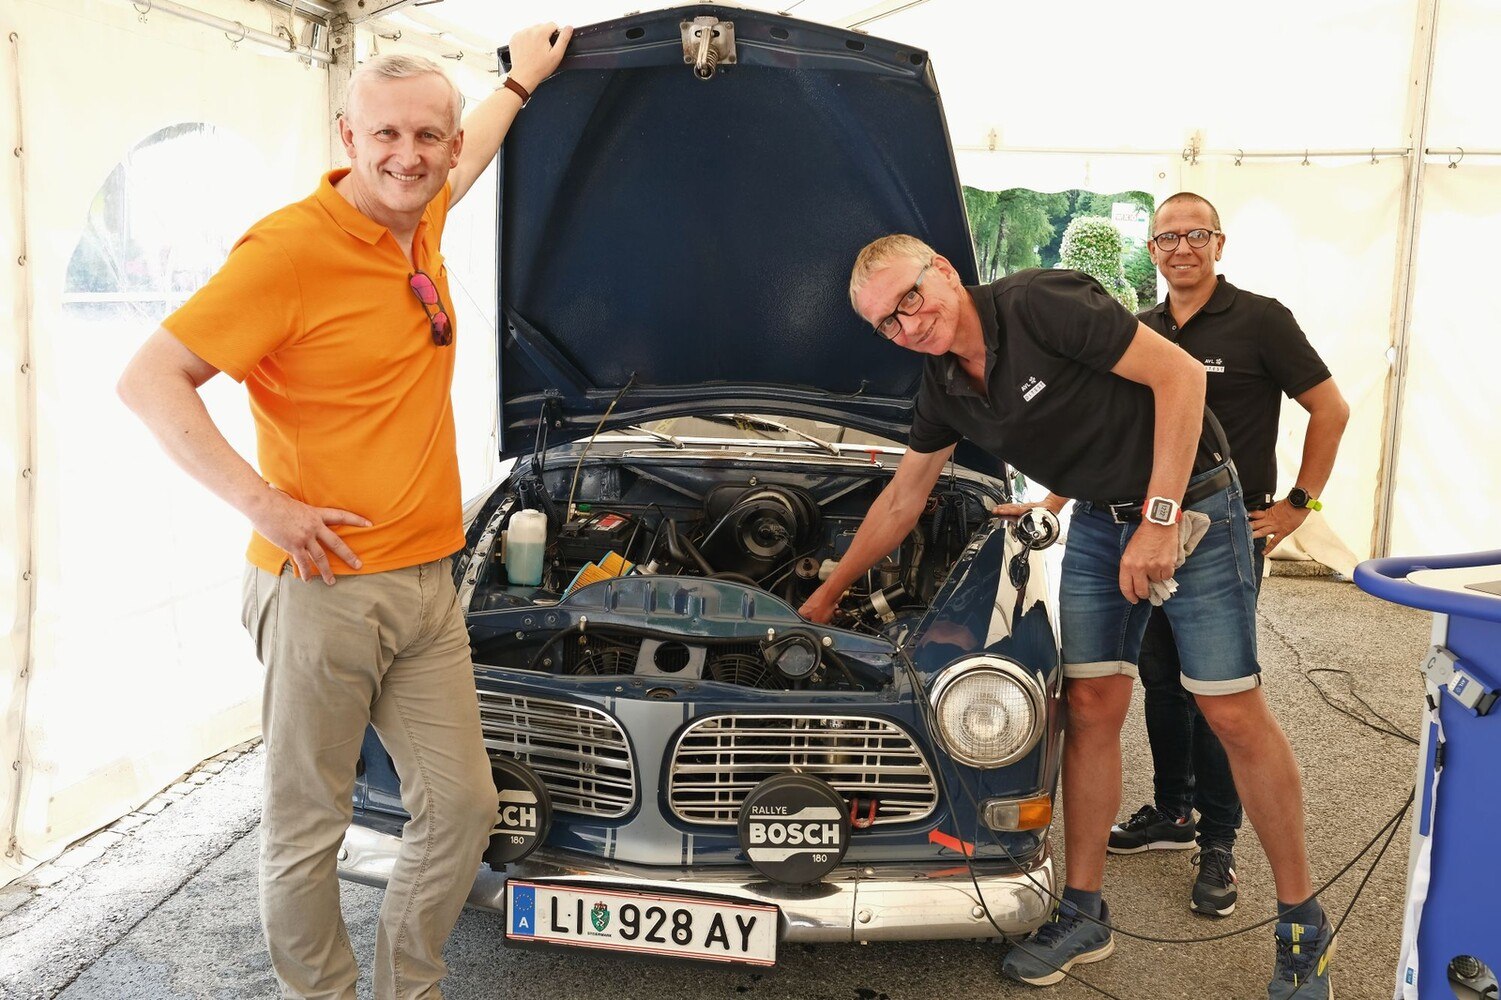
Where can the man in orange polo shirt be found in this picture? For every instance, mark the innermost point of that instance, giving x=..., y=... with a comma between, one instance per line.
x=334, y=312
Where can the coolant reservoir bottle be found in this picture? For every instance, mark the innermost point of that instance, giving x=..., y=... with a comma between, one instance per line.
x=525, y=541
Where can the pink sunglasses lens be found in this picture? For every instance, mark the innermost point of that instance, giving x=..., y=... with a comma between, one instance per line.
x=425, y=289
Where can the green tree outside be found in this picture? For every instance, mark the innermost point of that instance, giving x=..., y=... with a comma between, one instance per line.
x=1020, y=228
x=1009, y=227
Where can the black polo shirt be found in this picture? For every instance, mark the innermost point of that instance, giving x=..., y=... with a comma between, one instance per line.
x=1253, y=351
x=1052, y=409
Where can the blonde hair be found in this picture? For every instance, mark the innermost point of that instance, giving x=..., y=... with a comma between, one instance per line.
x=401, y=67
x=881, y=254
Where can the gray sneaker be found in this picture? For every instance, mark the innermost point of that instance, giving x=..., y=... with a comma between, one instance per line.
x=1068, y=939
x=1215, y=891
x=1304, y=952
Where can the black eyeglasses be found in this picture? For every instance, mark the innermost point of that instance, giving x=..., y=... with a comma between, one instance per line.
x=1197, y=238
x=426, y=291
x=891, y=326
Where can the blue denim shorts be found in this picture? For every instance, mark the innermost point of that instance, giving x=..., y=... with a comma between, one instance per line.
x=1213, y=613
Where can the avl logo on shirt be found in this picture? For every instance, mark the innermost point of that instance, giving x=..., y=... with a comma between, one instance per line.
x=1032, y=387
x=1214, y=365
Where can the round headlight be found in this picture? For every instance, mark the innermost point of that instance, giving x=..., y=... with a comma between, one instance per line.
x=989, y=711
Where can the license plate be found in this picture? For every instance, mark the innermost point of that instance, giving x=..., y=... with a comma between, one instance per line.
x=716, y=930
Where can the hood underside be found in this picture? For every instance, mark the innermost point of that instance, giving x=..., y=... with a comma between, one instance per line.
x=676, y=245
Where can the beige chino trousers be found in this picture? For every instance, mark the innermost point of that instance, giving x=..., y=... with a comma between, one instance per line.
x=388, y=649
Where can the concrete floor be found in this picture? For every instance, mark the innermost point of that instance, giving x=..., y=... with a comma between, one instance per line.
x=163, y=906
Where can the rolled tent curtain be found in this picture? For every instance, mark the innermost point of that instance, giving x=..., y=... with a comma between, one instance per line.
x=156, y=146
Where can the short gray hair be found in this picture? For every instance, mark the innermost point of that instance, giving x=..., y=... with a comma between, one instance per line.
x=400, y=67
x=881, y=254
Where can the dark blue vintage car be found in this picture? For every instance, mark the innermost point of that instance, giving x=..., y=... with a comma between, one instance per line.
x=685, y=766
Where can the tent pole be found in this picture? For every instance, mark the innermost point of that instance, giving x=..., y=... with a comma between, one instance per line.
x=235, y=29
x=13, y=755
x=341, y=42
x=1425, y=40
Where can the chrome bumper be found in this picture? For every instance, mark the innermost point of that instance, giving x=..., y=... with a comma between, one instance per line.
x=853, y=903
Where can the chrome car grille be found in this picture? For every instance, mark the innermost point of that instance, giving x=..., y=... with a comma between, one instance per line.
x=718, y=760
x=580, y=753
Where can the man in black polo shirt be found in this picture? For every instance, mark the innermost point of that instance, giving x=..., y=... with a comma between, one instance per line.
x=1045, y=370
x=1253, y=352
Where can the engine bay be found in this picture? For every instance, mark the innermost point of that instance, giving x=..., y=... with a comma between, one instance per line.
x=777, y=530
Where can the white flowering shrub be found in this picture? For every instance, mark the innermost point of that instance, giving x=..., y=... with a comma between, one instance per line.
x=1093, y=245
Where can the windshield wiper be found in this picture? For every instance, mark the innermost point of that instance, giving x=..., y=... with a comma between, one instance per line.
x=658, y=435
x=764, y=423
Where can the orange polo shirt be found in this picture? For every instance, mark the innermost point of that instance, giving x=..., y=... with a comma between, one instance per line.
x=314, y=313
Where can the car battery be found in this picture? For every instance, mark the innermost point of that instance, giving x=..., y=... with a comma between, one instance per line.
x=592, y=537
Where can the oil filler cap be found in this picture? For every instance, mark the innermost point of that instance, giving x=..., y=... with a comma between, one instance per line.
x=523, y=812
x=794, y=828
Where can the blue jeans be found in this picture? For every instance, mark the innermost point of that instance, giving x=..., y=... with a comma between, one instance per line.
x=1213, y=613
x=1189, y=766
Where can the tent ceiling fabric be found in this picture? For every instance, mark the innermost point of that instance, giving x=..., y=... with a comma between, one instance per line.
x=124, y=663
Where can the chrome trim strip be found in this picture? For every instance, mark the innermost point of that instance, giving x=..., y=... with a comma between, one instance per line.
x=931, y=902
x=738, y=744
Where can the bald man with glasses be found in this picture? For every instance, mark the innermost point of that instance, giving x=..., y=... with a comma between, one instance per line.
x=1254, y=354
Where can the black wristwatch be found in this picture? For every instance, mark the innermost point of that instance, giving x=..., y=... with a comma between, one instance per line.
x=1299, y=498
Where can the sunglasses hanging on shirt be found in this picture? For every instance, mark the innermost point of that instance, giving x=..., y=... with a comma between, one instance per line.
x=426, y=291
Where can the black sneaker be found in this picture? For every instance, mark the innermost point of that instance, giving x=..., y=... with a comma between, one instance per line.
x=1214, y=892
x=1150, y=830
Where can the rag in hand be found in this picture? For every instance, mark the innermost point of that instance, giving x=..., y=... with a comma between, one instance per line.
x=1191, y=531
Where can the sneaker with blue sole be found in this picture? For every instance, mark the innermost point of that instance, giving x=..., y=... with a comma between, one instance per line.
x=1304, y=952
x=1068, y=939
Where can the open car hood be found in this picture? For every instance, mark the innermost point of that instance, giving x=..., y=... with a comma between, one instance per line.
x=675, y=245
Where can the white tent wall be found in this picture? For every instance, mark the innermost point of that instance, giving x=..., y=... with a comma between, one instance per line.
x=1089, y=94
x=1323, y=240
x=1448, y=474
x=137, y=668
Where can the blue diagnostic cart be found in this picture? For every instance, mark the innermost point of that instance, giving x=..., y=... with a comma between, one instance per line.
x=1451, y=935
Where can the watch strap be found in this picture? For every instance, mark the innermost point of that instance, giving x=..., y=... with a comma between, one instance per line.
x=1303, y=500
x=517, y=89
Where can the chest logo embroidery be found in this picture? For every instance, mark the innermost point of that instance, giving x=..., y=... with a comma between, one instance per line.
x=1214, y=365
x=1032, y=387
